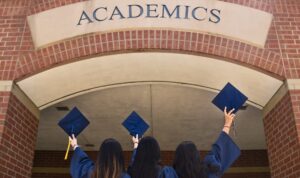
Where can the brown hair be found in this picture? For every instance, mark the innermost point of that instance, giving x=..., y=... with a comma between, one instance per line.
x=110, y=163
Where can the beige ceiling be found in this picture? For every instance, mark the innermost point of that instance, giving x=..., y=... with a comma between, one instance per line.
x=74, y=79
x=172, y=92
x=175, y=112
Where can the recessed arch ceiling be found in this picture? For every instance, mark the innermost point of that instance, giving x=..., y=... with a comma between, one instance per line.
x=174, y=112
x=173, y=93
x=70, y=80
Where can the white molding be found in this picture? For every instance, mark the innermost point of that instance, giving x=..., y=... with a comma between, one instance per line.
x=26, y=101
x=9, y=86
x=290, y=84
x=275, y=99
x=6, y=85
x=293, y=84
x=61, y=23
x=78, y=77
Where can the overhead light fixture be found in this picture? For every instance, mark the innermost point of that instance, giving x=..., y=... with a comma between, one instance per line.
x=89, y=145
x=62, y=108
x=244, y=107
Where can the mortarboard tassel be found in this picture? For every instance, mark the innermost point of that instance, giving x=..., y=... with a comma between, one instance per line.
x=67, y=152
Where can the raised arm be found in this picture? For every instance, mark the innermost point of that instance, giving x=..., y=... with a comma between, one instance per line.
x=81, y=164
x=224, y=151
x=135, y=142
x=228, y=117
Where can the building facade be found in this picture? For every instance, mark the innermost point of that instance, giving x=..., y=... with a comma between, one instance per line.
x=28, y=57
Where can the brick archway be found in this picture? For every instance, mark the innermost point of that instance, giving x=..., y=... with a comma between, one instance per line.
x=109, y=43
x=279, y=58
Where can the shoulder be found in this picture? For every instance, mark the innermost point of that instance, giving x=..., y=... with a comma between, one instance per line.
x=125, y=175
x=168, y=172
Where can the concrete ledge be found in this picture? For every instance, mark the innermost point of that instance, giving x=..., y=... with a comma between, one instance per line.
x=6, y=85
x=288, y=85
x=9, y=86
x=281, y=92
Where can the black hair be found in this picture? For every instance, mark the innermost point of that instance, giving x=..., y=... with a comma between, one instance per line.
x=110, y=163
x=147, y=160
x=187, y=162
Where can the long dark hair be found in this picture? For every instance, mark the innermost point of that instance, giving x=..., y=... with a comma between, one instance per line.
x=147, y=159
x=187, y=162
x=110, y=163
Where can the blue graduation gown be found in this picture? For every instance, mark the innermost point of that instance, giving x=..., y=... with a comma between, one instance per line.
x=82, y=166
x=223, y=153
x=167, y=172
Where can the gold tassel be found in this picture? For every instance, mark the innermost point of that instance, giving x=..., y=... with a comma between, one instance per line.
x=67, y=152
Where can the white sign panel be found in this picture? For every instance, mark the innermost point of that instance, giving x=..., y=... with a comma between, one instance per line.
x=207, y=16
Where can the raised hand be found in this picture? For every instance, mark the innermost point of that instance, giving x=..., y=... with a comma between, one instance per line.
x=73, y=141
x=135, y=141
x=229, y=118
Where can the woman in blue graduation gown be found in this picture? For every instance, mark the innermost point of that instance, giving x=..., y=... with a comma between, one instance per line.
x=224, y=152
x=146, y=159
x=110, y=162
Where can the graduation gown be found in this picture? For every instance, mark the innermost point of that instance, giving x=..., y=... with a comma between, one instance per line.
x=82, y=166
x=165, y=172
x=223, y=153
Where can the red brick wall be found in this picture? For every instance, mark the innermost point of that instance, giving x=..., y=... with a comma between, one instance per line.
x=18, y=130
x=282, y=136
x=29, y=61
x=18, y=50
x=15, y=38
x=280, y=58
x=285, y=38
x=295, y=96
x=282, y=46
x=254, y=158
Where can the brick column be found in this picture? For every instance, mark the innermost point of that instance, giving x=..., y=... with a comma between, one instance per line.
x=18, y=132
x=282, y=129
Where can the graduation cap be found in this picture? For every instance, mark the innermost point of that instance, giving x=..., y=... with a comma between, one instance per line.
x=135, y=125
x=73, y=123
x=230, y=97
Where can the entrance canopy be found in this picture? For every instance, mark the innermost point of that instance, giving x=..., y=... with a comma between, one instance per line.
x=172, y=92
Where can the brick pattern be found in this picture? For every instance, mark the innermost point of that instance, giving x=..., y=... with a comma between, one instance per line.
x=32, y=61
x=18, y=130
x=148, y=40
x=295, y=96
x=15, y=40
x=282, y=137
x=39, y=6
x=248, y=158
x=286, y=39
x=280, y=57
x=15, y=37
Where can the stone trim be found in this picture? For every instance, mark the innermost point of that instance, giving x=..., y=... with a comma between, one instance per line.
x=288, y=85
x=10, y=86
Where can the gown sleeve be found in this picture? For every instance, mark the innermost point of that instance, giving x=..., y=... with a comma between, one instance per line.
x=133, y=156
x=125, y=175
x=129, y=169
x=224, y=152
x=81, y=165
x=168, y=172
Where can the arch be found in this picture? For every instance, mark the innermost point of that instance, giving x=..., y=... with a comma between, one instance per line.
x=109, y=43
x=45, y=88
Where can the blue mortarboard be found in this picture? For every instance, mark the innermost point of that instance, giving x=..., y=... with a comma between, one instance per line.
x=135, y=124
x=74, y=122
x=230, y=97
